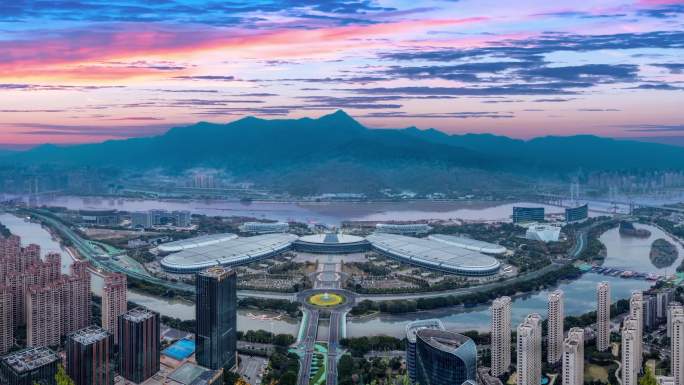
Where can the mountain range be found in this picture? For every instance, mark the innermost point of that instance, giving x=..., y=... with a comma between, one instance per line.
x=335, y=151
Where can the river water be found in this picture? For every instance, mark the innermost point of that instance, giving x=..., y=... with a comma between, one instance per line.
x=623, y=252
x=331, y=213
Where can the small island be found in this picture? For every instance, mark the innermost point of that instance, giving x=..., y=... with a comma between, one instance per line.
x=628, y=229
x=663, y=253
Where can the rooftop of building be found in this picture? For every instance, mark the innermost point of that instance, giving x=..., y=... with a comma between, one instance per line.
x=202, y=240
x=432, y=253
x=192, y=374
x=89, y=335
x=29, y=359
x=217, y=272
x=413, y=327
x=469, y=243
x=331, y=238
x=443, y=340
x=138, y=314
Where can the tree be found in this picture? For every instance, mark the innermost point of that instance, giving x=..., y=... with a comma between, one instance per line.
x=62, y=378
x=648, y=378
x=230, y=378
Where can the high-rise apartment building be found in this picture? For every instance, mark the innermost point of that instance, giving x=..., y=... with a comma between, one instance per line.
x=76, y=298
x=636, y=312
x=555, y=327
x=677, y=346
x=44, y=315
x=89, y=353
x=674, y=309
x=114, y=302
x=631, y=349
x=602, y=316
x=501, y=336
x=216, y=315
x=573, y=357
x=6, y=320
x=529, y=350
x=139, y=352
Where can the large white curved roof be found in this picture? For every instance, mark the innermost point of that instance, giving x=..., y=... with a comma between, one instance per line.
x=434, y=254
x=469, y=244
x=191, y=243
x=228, y=253
x=331, y=238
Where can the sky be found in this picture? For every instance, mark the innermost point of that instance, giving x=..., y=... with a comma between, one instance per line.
x=75, y=71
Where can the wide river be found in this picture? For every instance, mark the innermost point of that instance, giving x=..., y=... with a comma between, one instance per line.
x=626, y=253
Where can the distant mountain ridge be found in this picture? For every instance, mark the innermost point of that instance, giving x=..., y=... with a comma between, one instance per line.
x=336, y=143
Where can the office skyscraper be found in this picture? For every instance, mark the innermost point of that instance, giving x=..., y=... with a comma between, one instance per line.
x=573, y=357
x=411, y=330
x=631, y=349
x=216, y=316
x=529, y=350
x=602, y=316
x=114, y=302
x=636, y=312
x=501, y=336
x=89, y=353
x=138, y=344
x=677, y=346
x=555, y=325
x=6, y=320
x=444, y=358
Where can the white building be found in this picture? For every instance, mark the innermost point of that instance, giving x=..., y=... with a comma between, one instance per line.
x=675, y=308
x=544, y=233
x=529, y=350
x=265, y=227
x=602, y=316
x=677, y=346
x=573, y=357
x=631, y=348
x=501, y=336
x=636, y=312
x=403, y=229
x=555, y=325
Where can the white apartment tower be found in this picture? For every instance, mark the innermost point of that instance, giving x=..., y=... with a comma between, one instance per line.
x=555, y=325
x=636, y=312
x=529, y=350
x=602, y=316
x=114, y=302
x=573, y=357
x=501, y=336
x=673, y=309
x=631, y=348
x=677, y=346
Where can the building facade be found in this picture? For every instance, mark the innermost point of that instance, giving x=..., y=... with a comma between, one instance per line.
x=677, y=346
x=556, y=314
x=602, y=316
x=500, y=333
x=573, y=357
x=631, y=350
x=576, y=214
x=528, y=214
x=529, y=350
x=673, y=310
x=444, y=358
x=44, y=315
x=89, y=355
x=636, y=312
x=139, y=352
x=411, y=330
x=114, y=302
x=6, y=320
x=30, y=366
x=216, y=315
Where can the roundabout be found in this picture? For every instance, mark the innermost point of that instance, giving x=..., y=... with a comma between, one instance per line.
x=326, y=300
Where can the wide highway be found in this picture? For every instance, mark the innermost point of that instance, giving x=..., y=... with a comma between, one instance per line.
x=308, y=342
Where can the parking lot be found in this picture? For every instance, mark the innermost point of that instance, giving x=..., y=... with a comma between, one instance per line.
x=251, y=368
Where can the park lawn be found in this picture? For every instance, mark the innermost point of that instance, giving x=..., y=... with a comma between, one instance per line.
x=595, y=373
